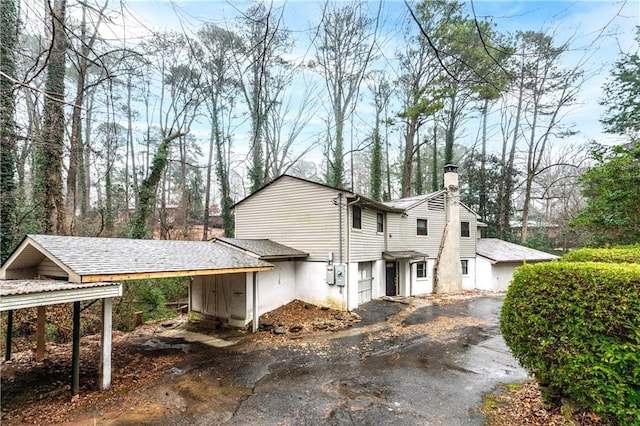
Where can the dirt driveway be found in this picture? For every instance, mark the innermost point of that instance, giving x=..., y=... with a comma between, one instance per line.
x=419, y=362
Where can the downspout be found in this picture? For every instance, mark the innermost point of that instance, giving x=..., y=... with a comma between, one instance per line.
x=340, y=256
x=357, y=200
x=340, y=225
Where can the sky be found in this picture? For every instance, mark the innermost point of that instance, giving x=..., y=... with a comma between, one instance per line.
x=597, y=31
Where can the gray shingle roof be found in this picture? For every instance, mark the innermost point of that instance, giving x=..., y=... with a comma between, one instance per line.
x=500, y=251
x=102, y=256
x=265, y=249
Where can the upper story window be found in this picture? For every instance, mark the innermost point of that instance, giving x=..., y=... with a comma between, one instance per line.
x=421, y=270
x=464, y=229
x=380, y=222
x=356, y=221
x=421, y=227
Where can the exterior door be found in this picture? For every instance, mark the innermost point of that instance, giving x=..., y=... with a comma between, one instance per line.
x=364, y=282
x=392, y=275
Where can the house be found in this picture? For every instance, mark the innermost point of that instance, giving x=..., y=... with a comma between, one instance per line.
x=360, y=249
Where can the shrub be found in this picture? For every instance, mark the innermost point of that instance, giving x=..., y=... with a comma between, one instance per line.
x=149, y=296
x=576, y=328
x=620, y=254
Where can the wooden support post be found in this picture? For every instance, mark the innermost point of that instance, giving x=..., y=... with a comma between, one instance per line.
x=104, y=374
x=42, y=315
x=75, y=353
x=256, y=317
x=7, y=351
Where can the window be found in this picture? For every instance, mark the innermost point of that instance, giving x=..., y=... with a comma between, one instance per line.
x=421, y=270
x=464, y=229
x=421, y=228
x=357, y=217
x=380, y=222
x=465, y=267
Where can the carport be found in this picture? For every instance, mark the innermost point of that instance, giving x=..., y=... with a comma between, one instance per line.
x=21, y=294
x=47, y=269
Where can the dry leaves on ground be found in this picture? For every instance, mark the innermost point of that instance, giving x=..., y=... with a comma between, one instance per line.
x=522, y=405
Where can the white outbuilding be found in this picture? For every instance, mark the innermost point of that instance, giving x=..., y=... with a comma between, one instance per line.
x=496, y=260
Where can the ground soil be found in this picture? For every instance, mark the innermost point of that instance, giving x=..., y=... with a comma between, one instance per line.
x=38, y=392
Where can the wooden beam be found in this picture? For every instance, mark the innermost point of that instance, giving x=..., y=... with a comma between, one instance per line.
x=7, y=351
x=75, y=353
x=41, y=319
x=169, y=274
x=104, y=373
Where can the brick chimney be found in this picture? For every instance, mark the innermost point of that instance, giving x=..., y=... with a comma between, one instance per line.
x=448, y=274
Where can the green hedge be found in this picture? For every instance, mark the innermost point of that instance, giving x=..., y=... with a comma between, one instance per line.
x=620, y=254
x=576, y=328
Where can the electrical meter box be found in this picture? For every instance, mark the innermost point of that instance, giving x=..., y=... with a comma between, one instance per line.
x=340, y=275
x=331, y=279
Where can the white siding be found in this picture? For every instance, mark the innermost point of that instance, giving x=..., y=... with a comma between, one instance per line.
x=468, y=244
x=365, y=244
x=48, y=268
x=295, y=213
x=403, y=230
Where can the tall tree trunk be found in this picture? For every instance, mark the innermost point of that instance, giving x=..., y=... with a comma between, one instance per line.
x=482, y=196
x=48, y=174
x=256, y=173
x=386, y=142
x=131, y=149
x=33, y=128
x=75, y=146
x=8, y=206
x=138, y=227
x=407, y=164
x=529, y=177
x=85, y=187
x=207, y=193
x=376, y=161
x=418, y=186
x=450, y=136
x=185, y=189
x=505, y=188
x=435, y=185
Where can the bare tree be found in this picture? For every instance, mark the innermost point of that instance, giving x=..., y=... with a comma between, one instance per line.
x=48, y=171
x=345, y=46
x=76, y=153
x=285, y=121
x=261, y=80
x=549, y=90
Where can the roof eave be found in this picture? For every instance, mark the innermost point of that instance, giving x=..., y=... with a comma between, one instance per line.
x=171, y=274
